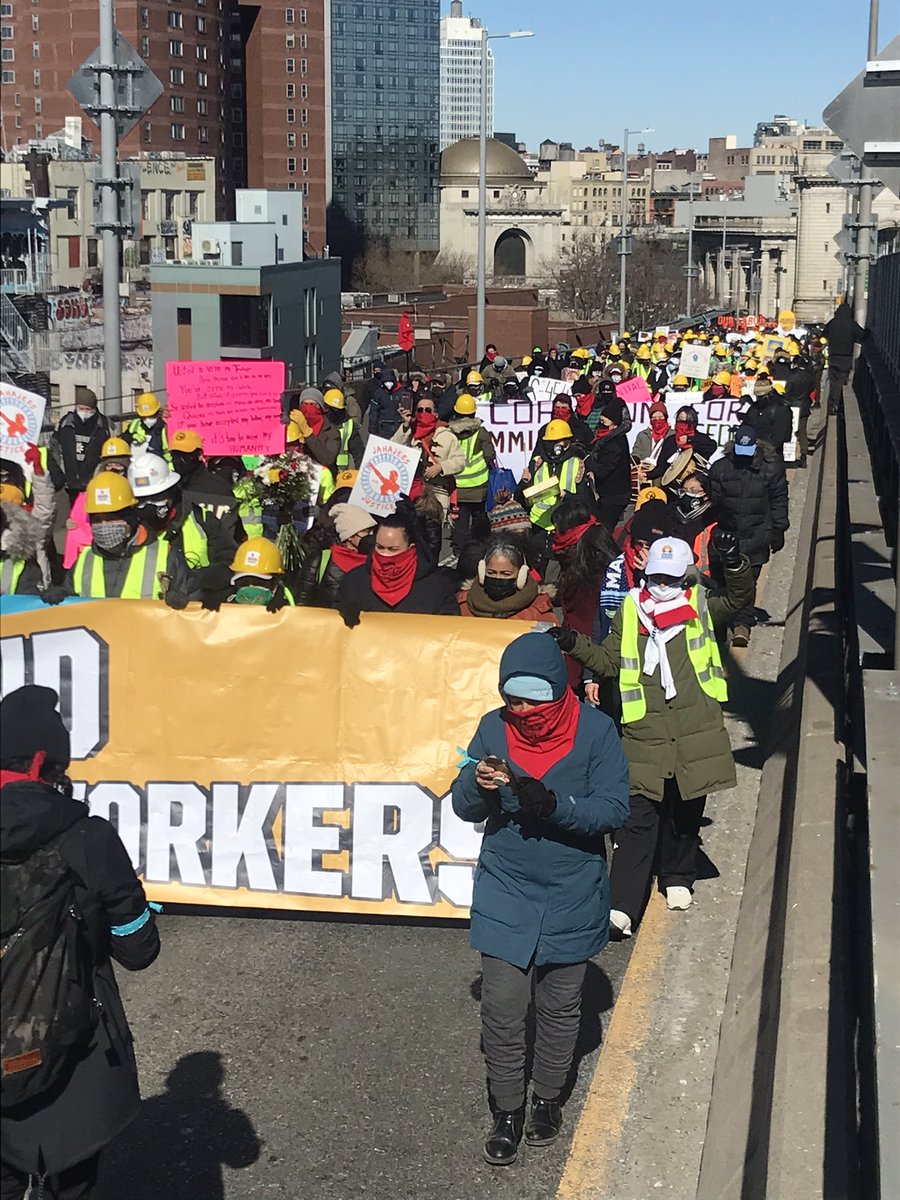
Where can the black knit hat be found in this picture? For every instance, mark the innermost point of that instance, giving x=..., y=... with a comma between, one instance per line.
x=29, y=723
x=652, y=520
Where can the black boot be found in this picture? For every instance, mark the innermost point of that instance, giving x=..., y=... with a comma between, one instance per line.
x=544, y=1121
x=502, y=1145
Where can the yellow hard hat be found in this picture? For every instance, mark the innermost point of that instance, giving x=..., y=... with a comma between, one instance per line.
x=723, y=377
x=115, y=447
x=580, y=352
x=557, y=431
x=186, y=440
x=10, y=494
x=626, y=336
x=334, y=398
x=720, y=350
x=108, y=492
x=146, y=405
x=345, y=479
x=643, y=351
x=465, y=405
x=680, y=381
x=792, y=347
x=779, y=386
x=787, y=319
x=258, y=556
x=474, y=377
x=615, y=350
x=688, y=333
x=650, y=493
x=526, y=360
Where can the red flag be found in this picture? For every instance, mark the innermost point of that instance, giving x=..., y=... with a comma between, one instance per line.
x=406, y=335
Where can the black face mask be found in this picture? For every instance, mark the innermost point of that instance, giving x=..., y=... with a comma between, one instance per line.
x=185, y=464
x=689, y=505
x=499, y=589
x=366, y=544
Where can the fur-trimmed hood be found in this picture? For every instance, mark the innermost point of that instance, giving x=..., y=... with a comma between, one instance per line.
x=22, y=535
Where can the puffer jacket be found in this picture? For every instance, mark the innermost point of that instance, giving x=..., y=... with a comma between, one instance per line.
x=771, y=419
x=684, y=737
x=751, y=500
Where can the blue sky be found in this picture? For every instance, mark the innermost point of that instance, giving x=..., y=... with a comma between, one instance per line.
x=691, y=69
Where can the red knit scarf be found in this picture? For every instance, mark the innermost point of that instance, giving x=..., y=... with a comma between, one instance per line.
x=538, y=739
x=584, y=402
x=571, y=538
x=30, y=776
x=666, y=613
x=347, y=558
x=393, y=575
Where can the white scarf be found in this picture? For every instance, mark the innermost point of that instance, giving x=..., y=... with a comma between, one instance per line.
x=655, y=653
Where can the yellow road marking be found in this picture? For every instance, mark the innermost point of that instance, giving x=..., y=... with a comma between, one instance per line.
x=602, y=1119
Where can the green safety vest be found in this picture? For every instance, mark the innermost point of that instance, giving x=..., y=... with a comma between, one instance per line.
x=323, y=565
x=702, y=647
x=139, y=434
x=10, y=574
x=141, y=582
x=194, y=543
x=541, y=511
x=475, y=473
x=249, y=509
x=326, y=487
x=641, y=369
x=347, y=430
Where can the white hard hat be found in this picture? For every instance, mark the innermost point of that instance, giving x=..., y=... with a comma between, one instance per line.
x=669, y=556
x=150, y=475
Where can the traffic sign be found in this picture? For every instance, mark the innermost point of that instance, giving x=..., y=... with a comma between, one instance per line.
x=863, y=113
x=136, y=87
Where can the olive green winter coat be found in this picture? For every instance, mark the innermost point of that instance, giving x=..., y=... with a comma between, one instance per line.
x=684, y=737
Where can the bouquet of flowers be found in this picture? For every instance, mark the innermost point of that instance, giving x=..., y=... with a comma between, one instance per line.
x=280, y=485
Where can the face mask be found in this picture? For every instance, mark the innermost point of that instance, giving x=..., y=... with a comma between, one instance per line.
x=499, y=589
x=252, y=594
x=664, y=591
x=561, y=413
x=684, y=431
x=111, y=536
x=84, y=414
x=557, y=450
x=366, y=544
x=659, y=425
x=616, y=376
x=691, y=505
x=156, y=514
x=184, y=464
x=150, y=421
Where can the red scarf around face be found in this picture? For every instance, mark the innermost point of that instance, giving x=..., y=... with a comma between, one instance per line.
x=347, y=558
x=393, y=575
x=659, y=429
x=571, y=538
x=684, y=433
x=425, y=425
x=314, y=416
x=667, y=613
x=584, y=403
x=561, y=412
x=538, y=739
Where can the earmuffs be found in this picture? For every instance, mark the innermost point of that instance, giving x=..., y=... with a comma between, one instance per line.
x=521, y=578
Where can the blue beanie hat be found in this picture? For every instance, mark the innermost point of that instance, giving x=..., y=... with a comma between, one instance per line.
x=533, y=668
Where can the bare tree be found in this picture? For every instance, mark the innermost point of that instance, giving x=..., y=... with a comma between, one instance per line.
x=583, y=278
x=383, y=269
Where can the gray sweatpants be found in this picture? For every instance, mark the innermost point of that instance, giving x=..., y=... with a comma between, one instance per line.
x=505, y=1000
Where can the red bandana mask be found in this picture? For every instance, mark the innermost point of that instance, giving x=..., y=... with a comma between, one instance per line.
x=659, y=427
x=561, y=412
x=314, y=416
x=684, y=433
x=393, y=575
x=538, y=739
x=584, y=403
x=426, y=423
x=347, y=558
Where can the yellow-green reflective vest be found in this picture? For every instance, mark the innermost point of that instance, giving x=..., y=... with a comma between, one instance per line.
x=141, y=578
x=702, y=647
x=326, y=487
x=10, y=574
x=541, y=511
x=475, y=473
x=249, y=508
x=641, y=369
x=139, y=434
x=343, y=459
x=194, y=543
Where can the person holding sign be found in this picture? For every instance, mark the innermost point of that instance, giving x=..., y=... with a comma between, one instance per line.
x=548, y=777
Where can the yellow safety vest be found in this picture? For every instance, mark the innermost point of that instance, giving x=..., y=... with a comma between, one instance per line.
x=10, y=574
x=249, y=508
x=641, y=369
x=702, y=647
x=326, y=487
x=347, y=430
x=475, y=473
x=141, y=578
x=194, y=543
x=139, y=435
x=541, y=511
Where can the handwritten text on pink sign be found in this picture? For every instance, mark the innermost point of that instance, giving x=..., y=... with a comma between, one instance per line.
x=234, y=406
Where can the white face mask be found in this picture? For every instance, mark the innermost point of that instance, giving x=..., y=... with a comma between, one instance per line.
x=664, y=591
x=150, y=421
x=85, y=414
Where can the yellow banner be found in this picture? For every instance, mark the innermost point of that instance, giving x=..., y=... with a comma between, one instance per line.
x=272, y=760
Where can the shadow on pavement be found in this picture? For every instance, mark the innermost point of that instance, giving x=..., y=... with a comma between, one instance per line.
x=181, y=1140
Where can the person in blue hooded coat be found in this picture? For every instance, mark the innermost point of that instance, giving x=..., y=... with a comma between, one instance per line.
x=548, y=777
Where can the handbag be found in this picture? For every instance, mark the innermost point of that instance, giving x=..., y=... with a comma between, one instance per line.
x=499, y=479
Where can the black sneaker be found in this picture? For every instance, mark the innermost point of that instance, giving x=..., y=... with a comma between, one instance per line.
x=502, y=1145
x=544, y=1122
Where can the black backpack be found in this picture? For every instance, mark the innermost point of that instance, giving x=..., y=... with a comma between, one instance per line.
x=47, y=1008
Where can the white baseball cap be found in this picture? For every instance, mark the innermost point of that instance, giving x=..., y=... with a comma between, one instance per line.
x=669, y=556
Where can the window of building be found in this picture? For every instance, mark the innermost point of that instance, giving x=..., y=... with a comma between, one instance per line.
x=237, y=254
x=290, y=116
x=304, y=165
x=176, y=104
x=169, y=244
x=7, y=54
x=304, y=91
x=176, y=49
x=35, y=49
x=244, y=320
x=289, y=41
x=812, y=145
x=35, y=23
x=145, y=18
x=202, y=133
x=292, y=185
x=304, y=116
x=202, y=53
x=183, y=316
x=8, y=77
x=144, y=252
x=92, y=252
x=202, y=108
x=176, y=21
x=290, y=90
x=170, y=200
x=145, y=46
x=464, y=193
x=304, y=66
x=71, y=198
x=202, y=79
x=6, y=10
x=37, y=79
x=201, y=24
x=38, y=104
x=292, y=141
x=290, y=65
x=828, y=210
x=177, y=133
x=304, y=140
x=288, y=16
x=148, y=131
x=292, y=166
x=237, y=91
x=176, y=76
x=193, y=205
x=237, y=139
x=145, y=206
x=304, y=41
x=302, y=16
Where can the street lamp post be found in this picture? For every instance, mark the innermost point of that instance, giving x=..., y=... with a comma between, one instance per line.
x=624, y=249
x=690, y=268
x=481, y=270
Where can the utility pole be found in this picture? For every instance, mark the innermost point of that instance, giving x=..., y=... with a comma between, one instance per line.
x=109, y=185
x=864, y=218
x=624, y=239
x=723, y=276
x=689, y=269
x=481, y=269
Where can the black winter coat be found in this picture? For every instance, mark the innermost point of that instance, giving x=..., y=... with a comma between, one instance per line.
x=771, y=418
x=101, y=1095
x=75, y=450
x=384, y=409
x=433, y=591
x=842, y=332
x=751, y=500
x=609, y=462
x=801, y=383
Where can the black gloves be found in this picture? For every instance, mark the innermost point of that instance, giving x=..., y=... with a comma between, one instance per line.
x=776, y=541
x=277, y=603
x=176, y=599
x=727, y=547
x=54, y=594
x=564, y=638
x=534, y=799
x=350, y=615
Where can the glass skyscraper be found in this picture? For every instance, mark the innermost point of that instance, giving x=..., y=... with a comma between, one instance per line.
x=385, y=84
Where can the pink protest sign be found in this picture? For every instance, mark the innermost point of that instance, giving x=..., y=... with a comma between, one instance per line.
x=234, y=406
x=633, y=391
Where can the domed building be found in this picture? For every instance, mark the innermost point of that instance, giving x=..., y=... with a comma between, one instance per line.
x=524, y=229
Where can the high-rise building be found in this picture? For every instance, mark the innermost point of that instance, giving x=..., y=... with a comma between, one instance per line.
x=461, y=77
x=385, y=81
x=187, y=46
x=281, y=108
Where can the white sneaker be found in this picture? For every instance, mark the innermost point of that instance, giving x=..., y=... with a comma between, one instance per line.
x=621, y=921
x=679, y=898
